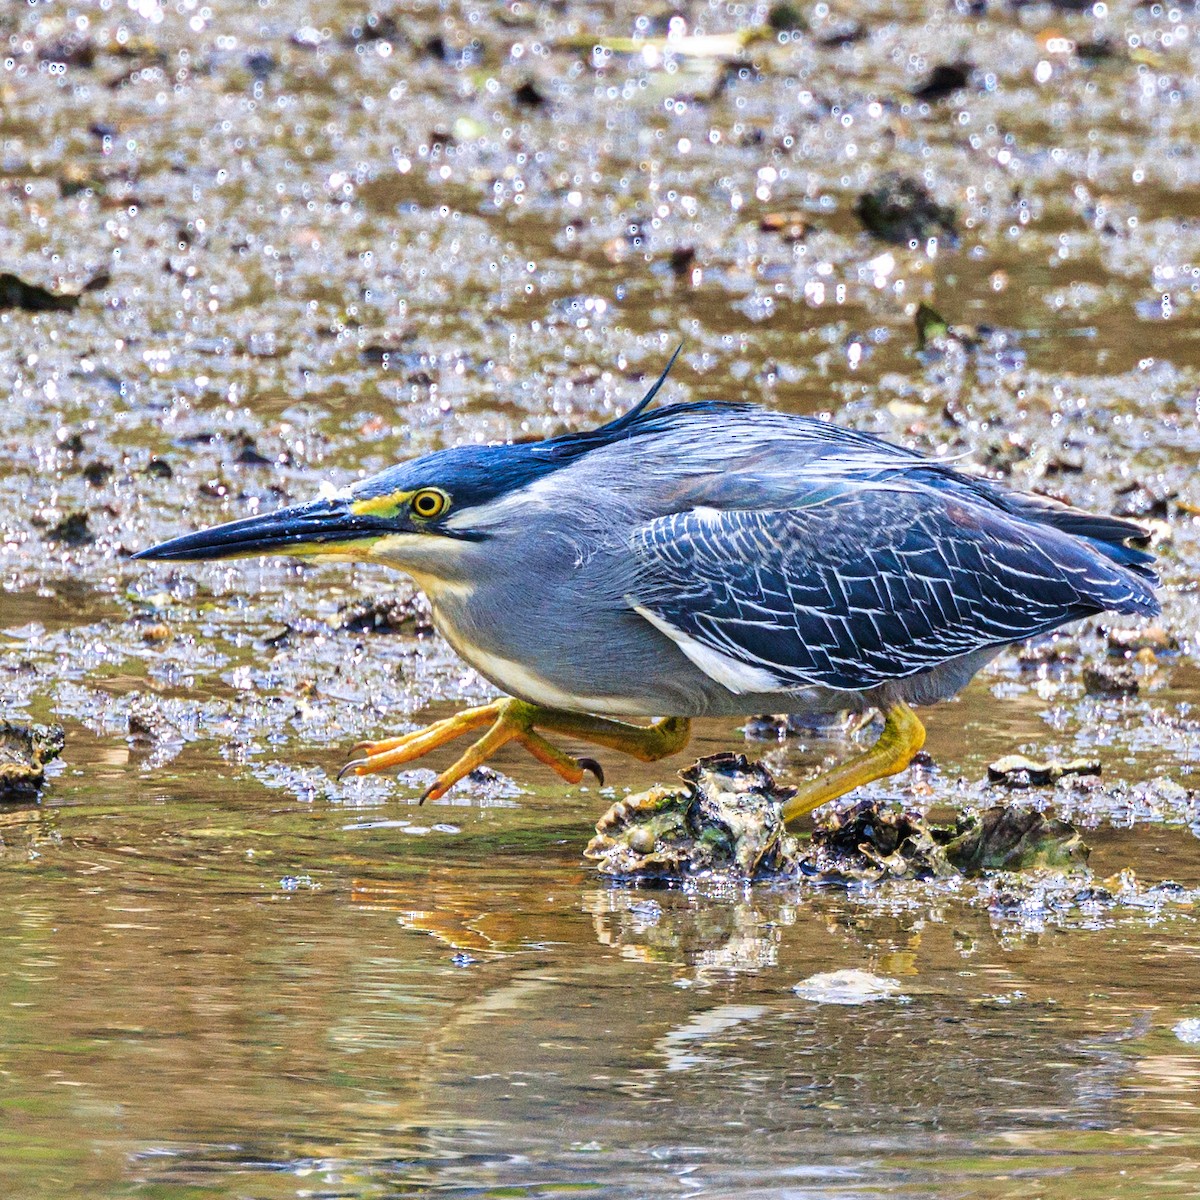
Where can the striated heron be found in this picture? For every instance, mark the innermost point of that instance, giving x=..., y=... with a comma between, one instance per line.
x=706, y=559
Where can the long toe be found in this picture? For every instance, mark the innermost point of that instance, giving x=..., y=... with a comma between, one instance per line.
x=393, y=752
x=380, y=747
x=476, y=754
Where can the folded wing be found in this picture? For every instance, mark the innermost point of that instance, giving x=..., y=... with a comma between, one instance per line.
x=860, y=583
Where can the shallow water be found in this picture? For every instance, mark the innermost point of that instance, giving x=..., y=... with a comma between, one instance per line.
x=226, y=974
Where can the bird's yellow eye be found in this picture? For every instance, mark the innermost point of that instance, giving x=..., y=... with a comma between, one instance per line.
x=429, y=503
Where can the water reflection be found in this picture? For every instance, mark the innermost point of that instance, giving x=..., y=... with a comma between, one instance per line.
x=468, y=1017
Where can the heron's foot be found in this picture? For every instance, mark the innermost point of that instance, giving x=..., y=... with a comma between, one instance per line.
x=903, y=735
x=518, y=721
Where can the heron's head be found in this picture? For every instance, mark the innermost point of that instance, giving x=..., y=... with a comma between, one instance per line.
x=422, y=516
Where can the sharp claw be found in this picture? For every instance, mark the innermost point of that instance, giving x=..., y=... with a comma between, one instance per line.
x=590, y=764
x=352, y=765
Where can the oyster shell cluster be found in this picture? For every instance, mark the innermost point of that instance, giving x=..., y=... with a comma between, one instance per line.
x=726, y=819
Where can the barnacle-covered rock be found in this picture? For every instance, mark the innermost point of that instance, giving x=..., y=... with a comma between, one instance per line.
x=726, y=817
x=865, y=843
x=24, y=752
x=726, y=820
x=1016, y=839
x=1017, y=771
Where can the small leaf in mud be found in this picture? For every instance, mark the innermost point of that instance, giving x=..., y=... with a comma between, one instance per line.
x=901, y=210
x=838, y=33
x=930, y=324
x=71, y=530
x=261, y=64
x=528, y=95
x=72, y=49
x=1097, y=51
x=15, y=292
x=1017, y=771
x=784, y=17
x=682, y=260
x=791, y=226
x=97, y=473
x=249, y=454
x=24, y=752
x=1012, y=839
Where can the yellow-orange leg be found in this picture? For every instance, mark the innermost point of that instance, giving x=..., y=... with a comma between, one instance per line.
x=517, y=720
x=903, y=735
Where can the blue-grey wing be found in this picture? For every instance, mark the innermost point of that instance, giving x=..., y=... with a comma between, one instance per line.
x=863, y=583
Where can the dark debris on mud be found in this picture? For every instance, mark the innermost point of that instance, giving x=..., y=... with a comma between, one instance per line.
x=902, y=210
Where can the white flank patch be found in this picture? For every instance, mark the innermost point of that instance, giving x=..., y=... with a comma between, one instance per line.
x=738, y=677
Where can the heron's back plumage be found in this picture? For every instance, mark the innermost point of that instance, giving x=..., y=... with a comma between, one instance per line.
x=793, y=553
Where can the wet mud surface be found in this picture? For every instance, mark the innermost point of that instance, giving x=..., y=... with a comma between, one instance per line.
x=251, y=248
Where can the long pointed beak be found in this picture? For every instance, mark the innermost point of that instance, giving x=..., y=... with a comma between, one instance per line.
x=316, y=528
